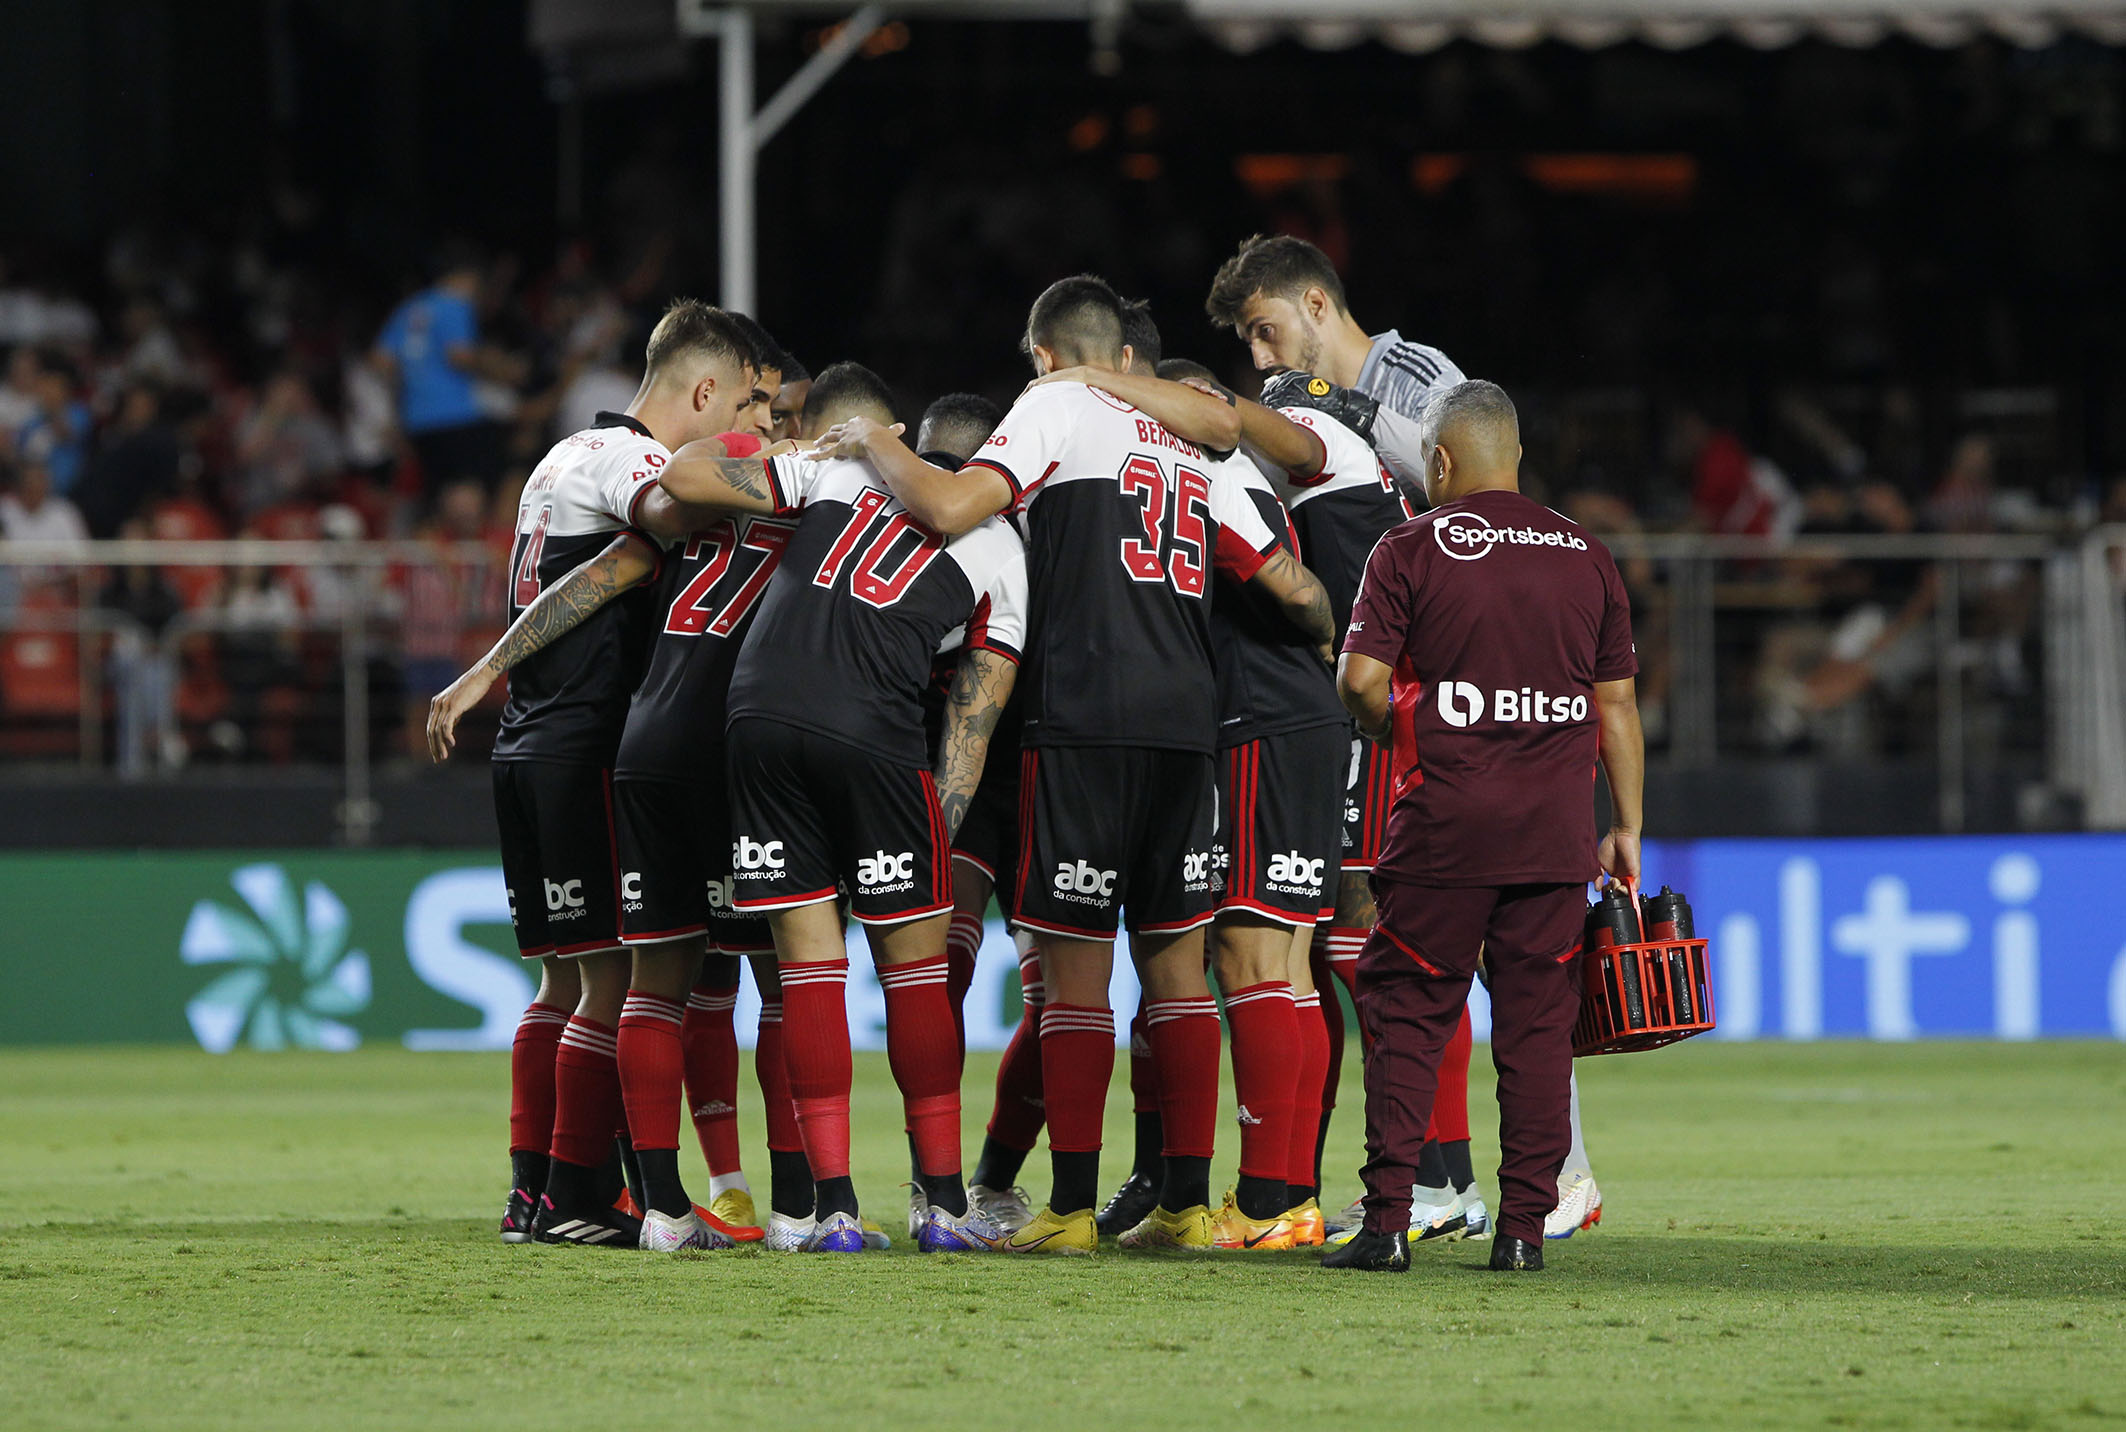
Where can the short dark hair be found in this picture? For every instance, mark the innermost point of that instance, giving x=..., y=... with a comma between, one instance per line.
x=1077, y=318
x=794, y=371
x=1281, y=266
x=847, y=389
x=958, y=423
x=691, y=329
x=1140, y=332
x=1175, y=370
x=770, y=353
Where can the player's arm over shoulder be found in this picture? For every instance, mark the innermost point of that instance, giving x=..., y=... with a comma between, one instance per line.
x=704, y=473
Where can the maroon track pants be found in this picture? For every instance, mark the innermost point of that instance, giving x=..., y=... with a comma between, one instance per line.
x=1413, y=982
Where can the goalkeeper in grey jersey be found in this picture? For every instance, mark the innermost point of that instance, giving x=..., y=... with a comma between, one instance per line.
x=1284, y=299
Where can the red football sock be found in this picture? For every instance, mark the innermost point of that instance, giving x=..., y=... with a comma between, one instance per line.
x=1143, y=1069
x=587, y=1104
x=1018, y=1116
x=816, y=1050
x=1312, y=1074
x=963, y=940
x=709, y=1043
x=924, y=1059
x=531, y=1078
x=1332, y=1016
x=1450, y=1106
x=1184, y=1040
x=1265, y=1027
x=651, y=1068
x=773, y=1072
x=1077, y=1061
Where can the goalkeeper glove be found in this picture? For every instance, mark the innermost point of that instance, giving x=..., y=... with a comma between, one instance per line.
x=1292, y=389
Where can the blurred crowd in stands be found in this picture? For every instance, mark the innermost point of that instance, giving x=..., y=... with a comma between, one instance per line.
x=203, y=392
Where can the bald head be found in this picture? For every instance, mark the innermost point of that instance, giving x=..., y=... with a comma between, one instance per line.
x=1474, y=443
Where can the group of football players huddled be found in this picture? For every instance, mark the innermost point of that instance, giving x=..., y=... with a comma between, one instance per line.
x=778, y=661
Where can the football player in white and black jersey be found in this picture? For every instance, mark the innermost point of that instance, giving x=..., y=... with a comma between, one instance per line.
x=1126, y=523
x=832, y=787
x=592, y=504
x=1282, y=751
x=1284, y=299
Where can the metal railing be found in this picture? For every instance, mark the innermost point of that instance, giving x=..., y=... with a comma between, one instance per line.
x=1718, y=615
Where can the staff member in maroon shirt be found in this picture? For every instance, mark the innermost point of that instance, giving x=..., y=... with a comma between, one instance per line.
x=1491, y=647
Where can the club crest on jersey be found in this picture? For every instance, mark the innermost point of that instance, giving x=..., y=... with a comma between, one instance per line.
x=1466, y=538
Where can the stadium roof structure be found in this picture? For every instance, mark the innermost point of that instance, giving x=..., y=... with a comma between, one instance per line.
x=1418, y=26
x=634, y=29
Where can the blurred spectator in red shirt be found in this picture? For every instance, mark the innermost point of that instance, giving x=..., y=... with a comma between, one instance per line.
x=443, y=598
x=1731, y=490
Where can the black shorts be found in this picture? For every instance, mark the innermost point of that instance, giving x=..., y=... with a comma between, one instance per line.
x=674, y=839
x=1280, y=824
x=557, y=856
x=1367, y=774
x=988, y=837
x=810, y=815
x=1105, y=829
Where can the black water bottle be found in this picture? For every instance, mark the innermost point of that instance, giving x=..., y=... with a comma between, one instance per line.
x=1668, y=918
x=1613, y=920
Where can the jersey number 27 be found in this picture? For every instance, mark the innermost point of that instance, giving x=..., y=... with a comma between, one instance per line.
x=1176, y=544
x=693, y=611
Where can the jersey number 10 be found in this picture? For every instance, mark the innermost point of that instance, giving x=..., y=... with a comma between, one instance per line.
x=1176, y=544
x=867, y=583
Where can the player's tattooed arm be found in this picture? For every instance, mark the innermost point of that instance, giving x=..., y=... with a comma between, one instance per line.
x=701, y=473
x=948, y=503
x=1364, y=684
x=1188, y=412
x=1302, y=597
x=627, y=562
x=1294, y=447
x=980, y=690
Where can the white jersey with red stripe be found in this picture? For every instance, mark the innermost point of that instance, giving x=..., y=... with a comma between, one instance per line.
x=568, y=701
x=1125, y=522
x=863, y=600
x=1340, y=512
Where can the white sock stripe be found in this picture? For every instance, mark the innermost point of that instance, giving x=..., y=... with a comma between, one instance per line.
x=771, y=1013
x=591, y=1044
x=543, y=1016
x=662, y=1016
x=894, y=976
x=651, y=1001
x=1283, y=992
x=712, y=1001
x=815, y=977
x=1166, y=1010
x=1308, y=1001
x=1350, y=958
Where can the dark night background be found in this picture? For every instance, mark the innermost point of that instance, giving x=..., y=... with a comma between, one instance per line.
x=1894, y=221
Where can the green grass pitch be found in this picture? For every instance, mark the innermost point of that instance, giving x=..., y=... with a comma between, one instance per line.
x=1834, y=1235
